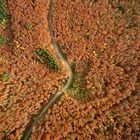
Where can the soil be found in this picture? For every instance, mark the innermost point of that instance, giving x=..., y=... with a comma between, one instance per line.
x=101, y=40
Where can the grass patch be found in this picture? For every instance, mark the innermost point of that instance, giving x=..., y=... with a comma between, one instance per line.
x=77, y=89
x=3, y=40
x=44, y=57
x=3, y=12
x=122, y=9
x=28, y=26
x=5, y=77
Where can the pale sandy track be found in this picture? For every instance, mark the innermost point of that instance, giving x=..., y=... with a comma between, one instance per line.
x=45, y=108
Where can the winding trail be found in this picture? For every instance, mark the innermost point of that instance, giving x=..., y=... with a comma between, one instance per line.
x=33, y=122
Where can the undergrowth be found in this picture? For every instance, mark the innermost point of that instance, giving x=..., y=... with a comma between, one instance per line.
x=3, y=20
x=77, y=89
x=3, y=40
x=3, y=12
x=28, y=26
x=5, y=77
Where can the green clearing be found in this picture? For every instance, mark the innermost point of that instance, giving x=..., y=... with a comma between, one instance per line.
x=3, y=12
x=44, y=57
